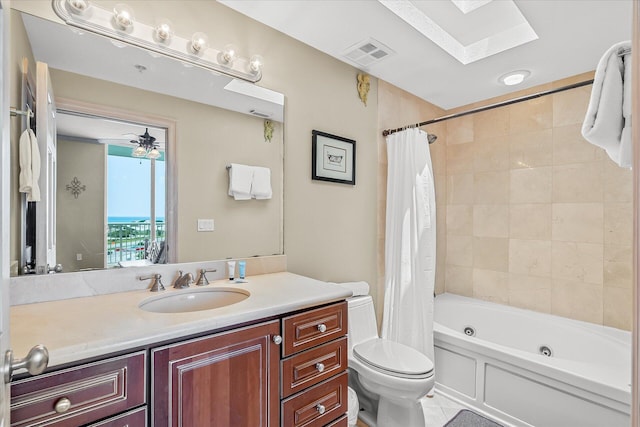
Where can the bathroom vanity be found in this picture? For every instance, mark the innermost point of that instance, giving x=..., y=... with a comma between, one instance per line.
x=277, y=358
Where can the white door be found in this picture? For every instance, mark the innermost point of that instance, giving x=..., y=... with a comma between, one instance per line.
x=46, y=208
x=4, y=205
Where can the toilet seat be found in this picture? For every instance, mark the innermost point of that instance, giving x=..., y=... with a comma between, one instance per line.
x=394, y=358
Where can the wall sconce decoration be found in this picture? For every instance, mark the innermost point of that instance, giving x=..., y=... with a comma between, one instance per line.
x=268, y=130
x=119, y=25
x=364, y=84
x=76, y=187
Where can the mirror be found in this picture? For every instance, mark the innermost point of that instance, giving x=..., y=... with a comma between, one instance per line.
x=216, y=121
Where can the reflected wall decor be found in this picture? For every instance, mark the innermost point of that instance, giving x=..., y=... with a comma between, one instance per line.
x=333, y=158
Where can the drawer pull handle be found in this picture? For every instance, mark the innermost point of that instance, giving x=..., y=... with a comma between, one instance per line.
x=62, y=405
x=320, y=367
x=321, y=409
x=322, y=327
x=277, y=339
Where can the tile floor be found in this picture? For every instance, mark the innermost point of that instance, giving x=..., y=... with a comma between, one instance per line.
x=438, y=410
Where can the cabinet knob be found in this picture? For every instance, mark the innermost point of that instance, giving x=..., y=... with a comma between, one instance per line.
x=320, y=367
x=35, y=362
x=277, y=339
x=322, y=327
x=62, y=405
x=321, y=409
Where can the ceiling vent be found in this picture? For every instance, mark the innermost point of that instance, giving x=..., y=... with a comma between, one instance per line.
x=367, y=53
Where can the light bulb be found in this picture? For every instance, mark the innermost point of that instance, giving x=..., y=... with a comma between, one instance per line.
x=153, y=154
x=78, y=7
x=123, y=16
x=199, y=43
x=255, y=64
x=139, y=151
x=228, y=54
x=163, y=31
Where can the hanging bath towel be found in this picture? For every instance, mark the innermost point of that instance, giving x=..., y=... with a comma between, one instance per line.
x=607, y=123
x=29, y=166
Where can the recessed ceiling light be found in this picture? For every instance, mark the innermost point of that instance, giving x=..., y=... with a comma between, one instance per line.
x=514, y=77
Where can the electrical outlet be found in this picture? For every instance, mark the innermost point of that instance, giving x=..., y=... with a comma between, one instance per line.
x=205, y=225
x=78, y=257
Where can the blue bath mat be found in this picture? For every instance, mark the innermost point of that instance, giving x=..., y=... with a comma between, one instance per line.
x=466, y=418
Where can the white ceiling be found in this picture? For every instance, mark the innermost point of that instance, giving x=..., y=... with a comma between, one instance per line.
x=572, y=36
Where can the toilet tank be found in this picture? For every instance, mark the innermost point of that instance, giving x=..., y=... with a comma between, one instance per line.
x=362, y=320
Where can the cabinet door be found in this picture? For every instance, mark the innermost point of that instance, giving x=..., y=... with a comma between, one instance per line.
x=226, y=380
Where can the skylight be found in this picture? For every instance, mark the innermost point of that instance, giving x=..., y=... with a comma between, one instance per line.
x=469, y=30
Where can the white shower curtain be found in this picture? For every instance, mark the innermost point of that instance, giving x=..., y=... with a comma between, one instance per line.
x=410, y=242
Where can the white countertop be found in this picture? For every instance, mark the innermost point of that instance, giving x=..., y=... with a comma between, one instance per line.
x=81, y=328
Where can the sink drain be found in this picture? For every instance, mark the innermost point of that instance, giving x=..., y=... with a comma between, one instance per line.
x=545, y=351
x=469, y=331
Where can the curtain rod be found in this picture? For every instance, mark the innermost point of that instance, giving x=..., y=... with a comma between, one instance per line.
x=387, y=132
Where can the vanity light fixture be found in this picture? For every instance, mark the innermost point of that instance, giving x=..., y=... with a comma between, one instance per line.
x=199, y=43
x=228, y=54
x=123, y=17
x=121, y=27
x=514, y=77
x=255, y=65
x=163, y=31
x=79, y=7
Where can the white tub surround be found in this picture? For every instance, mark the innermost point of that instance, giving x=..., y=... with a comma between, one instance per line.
x=81, y=328
x=498, y=367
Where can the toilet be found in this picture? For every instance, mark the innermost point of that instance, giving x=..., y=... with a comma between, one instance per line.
x=391, y=374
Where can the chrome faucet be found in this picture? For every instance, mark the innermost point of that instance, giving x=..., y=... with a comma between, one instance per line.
x=183, y=280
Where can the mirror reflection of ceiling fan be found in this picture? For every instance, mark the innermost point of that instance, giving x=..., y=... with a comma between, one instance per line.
x=147, y=146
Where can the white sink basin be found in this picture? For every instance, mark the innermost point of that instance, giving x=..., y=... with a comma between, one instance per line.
x=194, y=300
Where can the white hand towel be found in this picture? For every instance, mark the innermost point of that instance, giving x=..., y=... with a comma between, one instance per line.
x=240, y=178
x=29, y=166
x=25, y=177
x=357, y=288
x=261, y=185
x=34, y=196
x=607, y=123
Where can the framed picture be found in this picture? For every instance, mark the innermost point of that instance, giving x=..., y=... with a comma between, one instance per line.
x=333, y=158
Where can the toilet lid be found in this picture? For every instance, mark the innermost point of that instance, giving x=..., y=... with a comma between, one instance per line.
x=395, y=358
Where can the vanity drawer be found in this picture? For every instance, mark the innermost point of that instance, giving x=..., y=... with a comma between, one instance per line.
x=340, y=422
x=91, y=392
x=313, y=366
x=135, y=418
x=318, y=405
x=313, y=327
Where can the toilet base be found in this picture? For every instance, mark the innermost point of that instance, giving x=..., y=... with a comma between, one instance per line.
x=393, y=414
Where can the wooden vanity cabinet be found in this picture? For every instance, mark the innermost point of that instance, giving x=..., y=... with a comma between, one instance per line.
x=222, y=380
x=83, y=394
x=313, y=369
x=289, y=372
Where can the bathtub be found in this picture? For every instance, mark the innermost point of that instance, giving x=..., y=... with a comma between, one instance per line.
x=524, y=368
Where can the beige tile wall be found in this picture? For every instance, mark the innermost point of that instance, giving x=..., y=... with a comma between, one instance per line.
x=536, y=217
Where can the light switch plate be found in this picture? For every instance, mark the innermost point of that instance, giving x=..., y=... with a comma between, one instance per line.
x=205, y=225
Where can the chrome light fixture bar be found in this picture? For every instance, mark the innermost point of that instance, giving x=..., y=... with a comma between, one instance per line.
x=120, y=25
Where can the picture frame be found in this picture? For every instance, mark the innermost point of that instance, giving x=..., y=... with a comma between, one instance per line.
x=333, y=158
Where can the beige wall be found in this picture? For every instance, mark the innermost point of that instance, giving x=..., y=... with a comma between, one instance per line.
x=537, y=217
x=80, y=227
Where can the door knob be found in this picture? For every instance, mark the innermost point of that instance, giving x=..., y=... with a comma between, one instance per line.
x=35, y=363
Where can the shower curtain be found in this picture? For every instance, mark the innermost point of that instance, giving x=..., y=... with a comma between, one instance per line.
x=410, y=242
